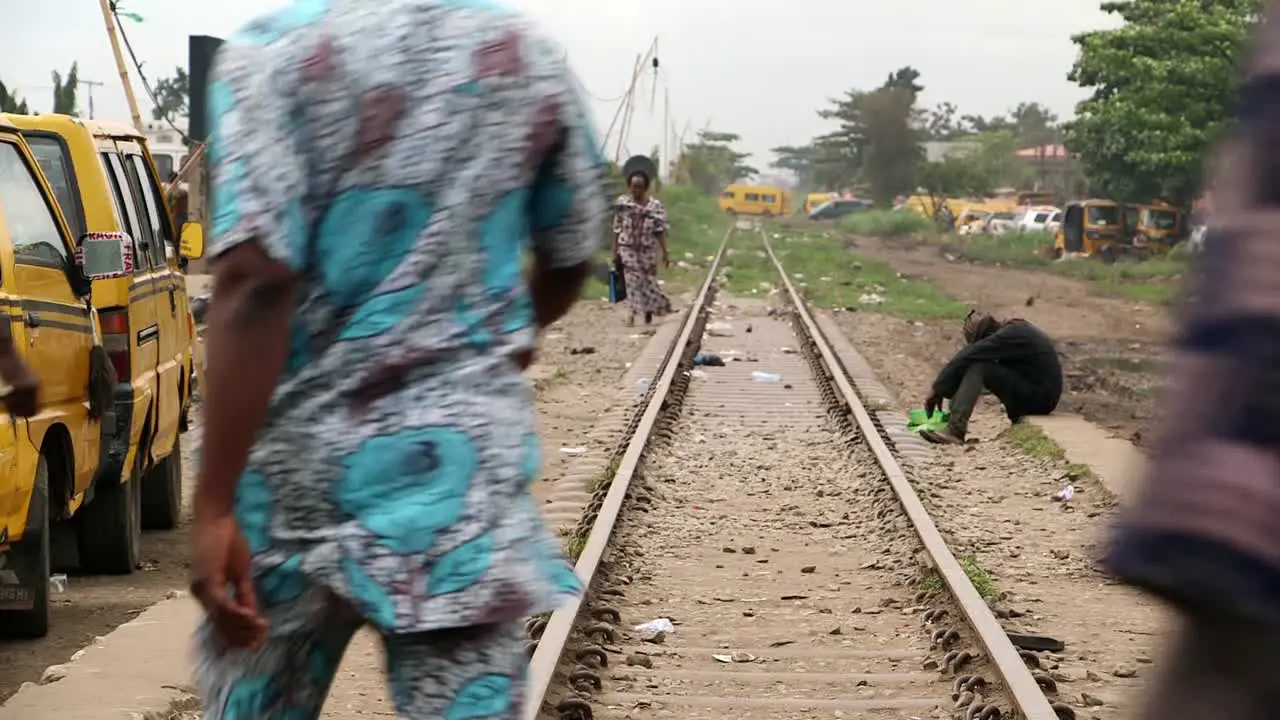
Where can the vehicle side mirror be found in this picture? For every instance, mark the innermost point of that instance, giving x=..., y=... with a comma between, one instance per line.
x=191, y=244
x=105, y=255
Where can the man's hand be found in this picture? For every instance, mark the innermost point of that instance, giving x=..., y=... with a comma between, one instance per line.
x=222, y=581
x=932, y=404
x=23, y=399
x=666, y=258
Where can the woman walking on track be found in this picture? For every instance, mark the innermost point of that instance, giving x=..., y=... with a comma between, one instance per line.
x=639, y=234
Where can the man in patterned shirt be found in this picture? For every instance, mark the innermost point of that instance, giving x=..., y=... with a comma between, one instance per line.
x=379, y=170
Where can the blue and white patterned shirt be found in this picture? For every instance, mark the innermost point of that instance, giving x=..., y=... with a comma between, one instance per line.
x=402, y=156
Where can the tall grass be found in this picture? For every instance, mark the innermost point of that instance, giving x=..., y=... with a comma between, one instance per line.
x=885, y=223
x=1026, y=248
x=1156, y=280
x=830, y=277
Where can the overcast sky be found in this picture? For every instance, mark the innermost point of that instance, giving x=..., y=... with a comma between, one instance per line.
x=759, y=68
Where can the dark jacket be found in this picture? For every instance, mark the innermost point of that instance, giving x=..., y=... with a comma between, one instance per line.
x=1021, y=349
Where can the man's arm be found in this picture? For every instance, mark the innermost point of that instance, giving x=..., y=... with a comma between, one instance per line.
x=24, y=389
x=567, y=205
x=1009, y=342
x=257, y=240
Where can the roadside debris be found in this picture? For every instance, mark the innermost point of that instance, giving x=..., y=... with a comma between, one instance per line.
x=738, y=657
x=719, y=329
x=652, y=630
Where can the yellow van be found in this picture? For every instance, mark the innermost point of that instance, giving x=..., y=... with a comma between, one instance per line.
x=813, y=201
x=49, y=462
x=754, y=200
x=106, y=182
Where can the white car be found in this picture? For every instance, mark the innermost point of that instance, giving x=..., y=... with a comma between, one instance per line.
x=1037, y=219
x=1000, y=222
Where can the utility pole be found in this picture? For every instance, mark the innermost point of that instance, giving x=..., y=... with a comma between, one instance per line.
x=91, y=84
x=666, y=134
x=110, y=23
x=628, y=106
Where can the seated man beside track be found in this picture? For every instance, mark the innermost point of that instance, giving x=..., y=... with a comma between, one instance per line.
x=1014, y=359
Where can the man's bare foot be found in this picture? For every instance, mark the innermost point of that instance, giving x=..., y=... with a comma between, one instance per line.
x=940, y=437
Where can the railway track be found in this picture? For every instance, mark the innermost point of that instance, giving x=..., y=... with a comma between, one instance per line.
x=760, y=508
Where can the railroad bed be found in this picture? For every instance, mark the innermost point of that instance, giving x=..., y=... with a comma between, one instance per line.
x=757, y=509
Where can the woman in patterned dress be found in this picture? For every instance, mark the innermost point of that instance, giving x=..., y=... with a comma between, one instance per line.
x=639, y=240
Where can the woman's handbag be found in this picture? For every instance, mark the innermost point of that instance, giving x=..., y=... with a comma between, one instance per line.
x=617, y=282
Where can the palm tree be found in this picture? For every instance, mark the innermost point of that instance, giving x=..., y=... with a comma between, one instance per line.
x=64, y=91
x=10, y=103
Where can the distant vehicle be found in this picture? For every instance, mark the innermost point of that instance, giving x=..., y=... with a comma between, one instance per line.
x=1000, y=222
x=813, y=201
x=754, y=200
x=1054, y=224
x=1037, y=219
x=833, y=209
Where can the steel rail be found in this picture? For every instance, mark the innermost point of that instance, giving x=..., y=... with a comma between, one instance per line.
x=1027, y=695
x=551, y=644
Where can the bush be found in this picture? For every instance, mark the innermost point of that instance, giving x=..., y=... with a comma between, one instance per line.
x=1019, y=247
x=886, y=223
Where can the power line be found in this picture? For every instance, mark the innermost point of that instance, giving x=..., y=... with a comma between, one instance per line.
x=164, y=114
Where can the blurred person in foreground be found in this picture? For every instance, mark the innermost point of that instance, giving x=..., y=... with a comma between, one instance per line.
x=1014, y=360
x=379, y=170
x=21, y=391
x=640, y=241
x=1203, y=532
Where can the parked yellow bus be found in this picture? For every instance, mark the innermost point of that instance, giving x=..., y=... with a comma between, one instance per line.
x=754, y=200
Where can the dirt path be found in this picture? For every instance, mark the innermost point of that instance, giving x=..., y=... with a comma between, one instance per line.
x=1112, y=349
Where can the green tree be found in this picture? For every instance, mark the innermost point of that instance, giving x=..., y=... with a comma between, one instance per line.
x=979, y=124
x=943, y=123
x=878, y=139
x=1034, y=125
x=892, y=142
x=11, y=103
x=171, y=96
x=904, y=78
x=977, y=170
x=1163, y=85
x=820, y=165
x=65, y=91
x=711, y=162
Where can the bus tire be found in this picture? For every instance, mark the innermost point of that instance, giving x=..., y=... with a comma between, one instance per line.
x=162, y=492
x=109, y=534
x=34, y=623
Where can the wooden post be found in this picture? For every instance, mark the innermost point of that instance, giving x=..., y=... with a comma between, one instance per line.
x=124, y=70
